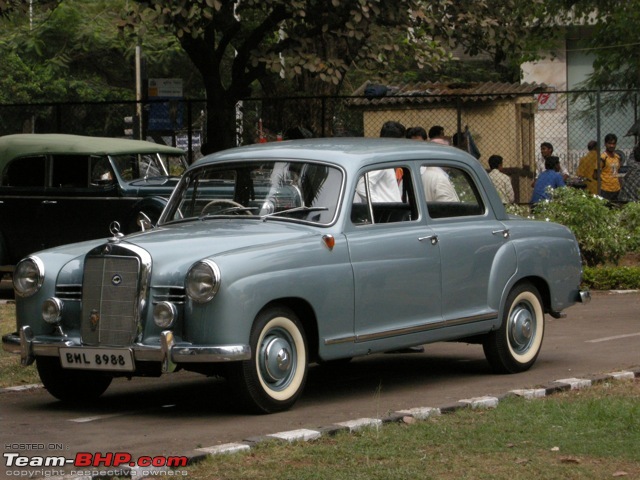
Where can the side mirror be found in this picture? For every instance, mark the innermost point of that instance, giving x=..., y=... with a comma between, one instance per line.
x=144, y=222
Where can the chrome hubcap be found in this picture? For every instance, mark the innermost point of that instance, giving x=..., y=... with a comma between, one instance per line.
x=277, y=359
x=521, y=327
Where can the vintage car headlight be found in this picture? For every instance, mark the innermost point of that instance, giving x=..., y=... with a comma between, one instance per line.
x=203, y=281
x=52, y=310
x=165, y=314
x=28, y=276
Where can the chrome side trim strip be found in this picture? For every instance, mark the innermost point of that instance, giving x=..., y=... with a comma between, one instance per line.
x=409, y=330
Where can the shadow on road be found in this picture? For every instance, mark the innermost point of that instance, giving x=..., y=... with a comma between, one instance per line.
x=194, y=395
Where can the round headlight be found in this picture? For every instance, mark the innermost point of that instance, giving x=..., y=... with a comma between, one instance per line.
x=164, y=314
x=203, y=281
x=28, y=276
x=52, y=310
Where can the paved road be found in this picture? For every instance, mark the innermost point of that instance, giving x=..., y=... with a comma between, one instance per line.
x=174, y=414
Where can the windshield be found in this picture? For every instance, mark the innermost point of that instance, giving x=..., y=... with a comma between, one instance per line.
x=132, y=167
x=307, y=192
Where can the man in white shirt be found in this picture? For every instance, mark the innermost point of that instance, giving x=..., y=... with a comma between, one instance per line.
x=501, y=181
x=437, y=185
x=383, y=184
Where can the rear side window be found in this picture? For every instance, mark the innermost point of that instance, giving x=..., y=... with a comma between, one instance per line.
x=70, y=171
x=25, y=172
x=450, y=192
x=384, y=196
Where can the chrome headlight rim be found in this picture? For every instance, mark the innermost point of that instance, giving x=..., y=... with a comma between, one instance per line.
x=203, y=281
x=165, y=314
x=28, y=276
x=52, y=309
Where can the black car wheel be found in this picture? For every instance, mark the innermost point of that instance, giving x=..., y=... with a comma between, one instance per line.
x=70, y=385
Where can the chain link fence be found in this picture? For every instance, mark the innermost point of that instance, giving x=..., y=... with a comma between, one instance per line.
x=512, y=125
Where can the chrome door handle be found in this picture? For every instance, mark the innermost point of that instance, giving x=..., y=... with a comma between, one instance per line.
x=504, y=233
x=49, y=202
x=432, y=238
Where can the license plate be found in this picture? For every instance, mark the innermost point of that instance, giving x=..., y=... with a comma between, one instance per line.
x=107, y=359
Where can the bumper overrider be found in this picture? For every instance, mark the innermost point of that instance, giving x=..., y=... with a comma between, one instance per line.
x=169, y=353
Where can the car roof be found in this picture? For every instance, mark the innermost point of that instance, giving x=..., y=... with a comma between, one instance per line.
x=27, y=144
x=349, y=152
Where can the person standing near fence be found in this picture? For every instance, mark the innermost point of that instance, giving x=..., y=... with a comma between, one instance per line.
x=501, y=181
x=383, y=183
x=609, y=168
x=436, y=135
x=588, y=167
x=551, y=178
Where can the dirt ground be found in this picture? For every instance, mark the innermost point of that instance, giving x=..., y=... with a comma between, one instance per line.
x=630, y=260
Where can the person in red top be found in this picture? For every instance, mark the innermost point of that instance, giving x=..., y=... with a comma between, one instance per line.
x=609, y=168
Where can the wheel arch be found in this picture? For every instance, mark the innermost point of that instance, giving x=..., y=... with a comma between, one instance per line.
x=307, y=316
x=541, y=285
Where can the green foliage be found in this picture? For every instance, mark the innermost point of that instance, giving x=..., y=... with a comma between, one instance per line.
x=605, y=233
x=73, y=50
x=611, y=278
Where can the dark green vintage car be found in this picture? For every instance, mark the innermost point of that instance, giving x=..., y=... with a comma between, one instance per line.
x=57, y=189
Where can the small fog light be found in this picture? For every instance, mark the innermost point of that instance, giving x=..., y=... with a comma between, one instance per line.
x=52, y=310
x=165, y=314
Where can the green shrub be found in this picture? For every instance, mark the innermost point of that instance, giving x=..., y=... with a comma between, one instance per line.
x=605, y=233
x=611, y=278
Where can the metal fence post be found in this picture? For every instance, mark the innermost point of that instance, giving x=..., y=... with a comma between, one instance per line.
x=598, y=167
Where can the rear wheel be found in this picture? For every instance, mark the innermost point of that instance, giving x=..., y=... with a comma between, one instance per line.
x=515, y=346
x=275, y=376
x=70, y=385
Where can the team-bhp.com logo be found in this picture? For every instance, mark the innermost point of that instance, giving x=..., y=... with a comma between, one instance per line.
x=89, y=461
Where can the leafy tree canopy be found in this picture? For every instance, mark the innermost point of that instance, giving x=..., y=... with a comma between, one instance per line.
x=238, y=45
x=72, y=50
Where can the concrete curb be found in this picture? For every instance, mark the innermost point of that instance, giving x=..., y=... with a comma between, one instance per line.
x=417, y=413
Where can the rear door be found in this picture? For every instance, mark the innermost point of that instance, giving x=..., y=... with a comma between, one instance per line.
x=22, y=190
x=469, y=238
x=396, y=269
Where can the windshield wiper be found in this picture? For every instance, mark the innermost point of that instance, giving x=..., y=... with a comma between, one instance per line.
x=292, y=210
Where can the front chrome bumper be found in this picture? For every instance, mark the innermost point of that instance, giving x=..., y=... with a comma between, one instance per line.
x=169, y=353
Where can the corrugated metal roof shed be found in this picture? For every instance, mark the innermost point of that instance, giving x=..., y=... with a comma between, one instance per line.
x=409, y=94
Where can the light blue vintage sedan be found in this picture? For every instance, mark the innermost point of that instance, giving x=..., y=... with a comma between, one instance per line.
x=270, y=257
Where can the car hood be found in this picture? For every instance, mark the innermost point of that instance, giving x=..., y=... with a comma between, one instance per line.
x=175, y=247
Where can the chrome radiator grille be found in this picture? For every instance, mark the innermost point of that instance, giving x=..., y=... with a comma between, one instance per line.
x=109, y=300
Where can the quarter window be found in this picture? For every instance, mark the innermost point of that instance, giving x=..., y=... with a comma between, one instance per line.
x=25, y=172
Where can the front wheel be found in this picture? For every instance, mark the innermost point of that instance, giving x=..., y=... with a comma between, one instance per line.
x=515, y=346
x=72, y=386
x=275, y=376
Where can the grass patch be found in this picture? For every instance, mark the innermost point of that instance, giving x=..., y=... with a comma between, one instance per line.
x=583, y=434
x=11, y=372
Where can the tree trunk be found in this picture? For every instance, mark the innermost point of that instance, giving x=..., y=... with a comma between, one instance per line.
x=221, y=124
